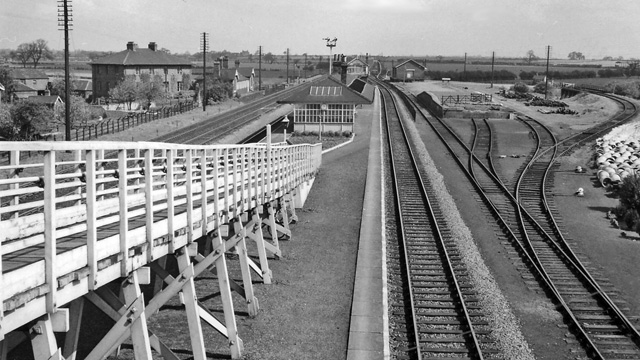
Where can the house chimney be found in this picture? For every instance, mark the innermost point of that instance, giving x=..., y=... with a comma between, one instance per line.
x=343, y=70
x=131, y=46
x=153, y=46
x=237, y=63
x=225, y=62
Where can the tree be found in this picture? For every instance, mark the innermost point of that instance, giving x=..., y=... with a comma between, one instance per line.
x=39, y=49
x=126, y=91
x=30, y=119
x=7, y=81
x=607, y=58
x=150, y=88
x=58, y=88
x=79, y=112
x=268, y=57
x=22, y=54
x=575, y=55
x=531, y=56
x=218, y=91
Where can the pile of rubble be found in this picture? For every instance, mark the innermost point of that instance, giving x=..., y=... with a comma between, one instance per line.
x=537, y=101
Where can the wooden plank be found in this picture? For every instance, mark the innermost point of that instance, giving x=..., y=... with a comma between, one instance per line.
x=71, y=338
x=189, y=186
x=191, y=308
x=139, y=331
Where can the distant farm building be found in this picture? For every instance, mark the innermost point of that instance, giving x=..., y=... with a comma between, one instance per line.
x=408, y=71
x=327, y=105
x=111, y=69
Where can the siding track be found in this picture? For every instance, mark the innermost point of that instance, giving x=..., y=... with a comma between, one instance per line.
x=527, y=220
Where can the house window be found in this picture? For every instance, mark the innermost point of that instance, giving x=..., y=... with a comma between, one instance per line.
x=137, y=70
x=166, y=70
x=179, y=85
x=179, y=69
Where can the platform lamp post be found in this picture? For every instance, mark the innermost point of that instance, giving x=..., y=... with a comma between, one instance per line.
x=331, y=43
x=285, y=121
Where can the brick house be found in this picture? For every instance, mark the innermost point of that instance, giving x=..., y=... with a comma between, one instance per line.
x=409, y=70
x=109, y=70
x=29, y=82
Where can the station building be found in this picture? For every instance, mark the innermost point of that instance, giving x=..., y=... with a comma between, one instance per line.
x=325, y=105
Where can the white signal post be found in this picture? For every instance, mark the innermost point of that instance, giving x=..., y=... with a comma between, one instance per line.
x=331, y=43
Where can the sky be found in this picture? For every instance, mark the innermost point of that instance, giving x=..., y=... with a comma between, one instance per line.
x=416, y=28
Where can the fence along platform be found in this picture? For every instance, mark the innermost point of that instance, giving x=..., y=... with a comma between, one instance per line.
x=88, y=213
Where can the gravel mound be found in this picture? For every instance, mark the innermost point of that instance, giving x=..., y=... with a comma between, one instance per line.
x=506, y=329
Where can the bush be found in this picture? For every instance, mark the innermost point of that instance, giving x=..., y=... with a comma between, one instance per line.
x=520, y=88
x=629, y=194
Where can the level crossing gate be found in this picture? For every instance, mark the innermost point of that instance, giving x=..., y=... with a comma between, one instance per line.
x=77, y=216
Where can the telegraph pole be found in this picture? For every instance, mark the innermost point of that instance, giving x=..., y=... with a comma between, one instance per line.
x=305, y=65
x=287, y=66
x=546, y=75
x=493, y=58
x=465, y=66
x=260, y=68
x=66, y=12
x=204, y=47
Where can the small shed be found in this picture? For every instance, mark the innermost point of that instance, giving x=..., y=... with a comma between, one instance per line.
x=325, y=105
x=54, y=102
x=408, y=71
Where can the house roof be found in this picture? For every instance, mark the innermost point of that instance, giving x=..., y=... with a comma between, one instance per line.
x=230, y=74
x=49, y=99
x=420, y=66
x=141, y=57
x=82, y=85
x=18, y=74
x=363, y=87
x=356, y=61
x=20, y=87
x=246, y=71
x=326, y=91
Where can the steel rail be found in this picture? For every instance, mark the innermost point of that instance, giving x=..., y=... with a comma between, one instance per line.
x=537, y=263
x=439, y=238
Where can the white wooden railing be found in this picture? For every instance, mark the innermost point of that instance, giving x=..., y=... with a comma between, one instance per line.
x=78, y=215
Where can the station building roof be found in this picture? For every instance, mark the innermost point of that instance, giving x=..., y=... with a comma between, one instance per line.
x=326, y=91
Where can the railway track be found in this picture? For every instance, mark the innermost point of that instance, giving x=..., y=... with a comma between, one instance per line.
x=527, y=220
x=204, y=131
x=438, y=314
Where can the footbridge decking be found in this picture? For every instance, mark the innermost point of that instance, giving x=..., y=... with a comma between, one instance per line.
x=76, y=216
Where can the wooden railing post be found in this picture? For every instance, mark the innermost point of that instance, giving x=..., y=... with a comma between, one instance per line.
x=50, y=230
x=92, y=226
x=14, y=160
x=124, y=216
x=148, y=199
x=189, y=186
x=204, y=189
x=170, y=199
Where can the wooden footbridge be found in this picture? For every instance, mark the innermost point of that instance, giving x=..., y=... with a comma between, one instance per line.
x=77, y=216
